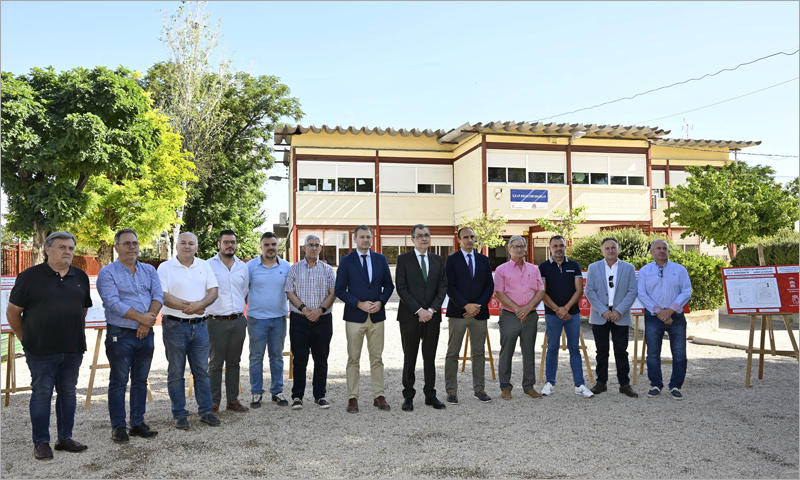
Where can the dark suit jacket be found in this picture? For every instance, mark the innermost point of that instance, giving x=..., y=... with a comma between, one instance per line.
x=462, y=288
x=353, y=286
x=414, y=292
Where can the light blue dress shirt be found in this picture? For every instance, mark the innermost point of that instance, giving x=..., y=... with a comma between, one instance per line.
x=664, y=288
x=122, y=290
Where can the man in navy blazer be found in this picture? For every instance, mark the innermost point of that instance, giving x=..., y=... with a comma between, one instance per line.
x=469, y=290
x=364, y=284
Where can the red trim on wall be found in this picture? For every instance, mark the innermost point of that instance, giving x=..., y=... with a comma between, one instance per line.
x=666, y=181
x=602, y=149
x=484, y=171
x=525, y=146
x=467, y=152
x=377, y=241
x=650, y=182
x=569, y=175
x=674, y=168
x=419, y=161
x=296, y=251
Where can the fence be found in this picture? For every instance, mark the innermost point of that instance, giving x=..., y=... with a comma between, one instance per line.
x=16, y=257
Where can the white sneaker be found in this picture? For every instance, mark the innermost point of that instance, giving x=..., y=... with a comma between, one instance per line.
x=582, y=390
x=548, y=389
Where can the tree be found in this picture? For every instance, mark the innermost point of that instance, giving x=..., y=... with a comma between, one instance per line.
x=731, y=205
x=487, y=229
x=146, y=203
x=59, y=131
x=564, y=223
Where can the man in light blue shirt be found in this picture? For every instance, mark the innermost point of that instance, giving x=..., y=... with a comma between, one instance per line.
x=266, y=319
x=132, y=297
x=664, y=289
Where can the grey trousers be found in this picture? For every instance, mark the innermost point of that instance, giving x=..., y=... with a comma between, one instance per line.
x=226, y=340
x=477, y=337
x=510, y=329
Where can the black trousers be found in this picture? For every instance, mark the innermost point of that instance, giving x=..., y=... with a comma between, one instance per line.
x=619, y=337
x=306, y=335
x=411, y=333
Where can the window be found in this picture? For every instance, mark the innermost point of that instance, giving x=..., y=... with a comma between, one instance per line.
x=516, y=175
x=433, y=188
x=308, y=184
x=599, y=179
x=506, y=175
x=636, y=181
x=364, y=185
x=659, y=193
x=497, y=174
x=618, y=180
x=555, y=177
x=580, y=178
x=443, y=189
x=325, y=184
x=424, y=188
x=605, y=169
x=524, y=167
x=399, y=178
x=537, y=177
x=319, y=176
x=346, y=185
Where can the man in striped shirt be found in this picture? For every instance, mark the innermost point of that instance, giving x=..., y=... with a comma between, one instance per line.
x=310, y=290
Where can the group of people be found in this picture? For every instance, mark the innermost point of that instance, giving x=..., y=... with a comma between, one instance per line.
x=202, y=305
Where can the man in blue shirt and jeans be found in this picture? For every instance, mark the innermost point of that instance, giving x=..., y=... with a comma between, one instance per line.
x=664, y=289
x=266, y=319
x=132, y=297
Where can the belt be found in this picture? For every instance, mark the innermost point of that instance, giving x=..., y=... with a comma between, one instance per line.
x=226, y=317
x=184, y=320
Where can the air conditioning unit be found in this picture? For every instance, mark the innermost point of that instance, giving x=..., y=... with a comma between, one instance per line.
x=654, y=201
x=283, y=218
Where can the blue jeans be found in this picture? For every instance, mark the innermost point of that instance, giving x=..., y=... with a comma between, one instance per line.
x=128, y=356
x=553, y=327
x=266, y=334
x=654, y=330
x=59, y=370
x=182, y=340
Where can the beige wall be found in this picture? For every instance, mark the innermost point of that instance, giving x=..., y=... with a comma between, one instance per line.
x=467, y=189
x=335, y=208
x=410, y=209
x=613, y=203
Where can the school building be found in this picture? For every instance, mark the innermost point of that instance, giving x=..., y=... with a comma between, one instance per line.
x=342, y=177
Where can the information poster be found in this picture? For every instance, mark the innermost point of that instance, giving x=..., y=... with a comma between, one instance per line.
x=764, y=290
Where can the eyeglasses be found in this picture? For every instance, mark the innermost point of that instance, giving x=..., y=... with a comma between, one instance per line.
x=611, y=281
x=661, y=272
x=312, y=245
x=129, y=244
x=517, y=246
x=423, y=235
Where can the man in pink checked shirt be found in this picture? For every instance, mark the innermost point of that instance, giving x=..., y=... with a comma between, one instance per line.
x=519, y=288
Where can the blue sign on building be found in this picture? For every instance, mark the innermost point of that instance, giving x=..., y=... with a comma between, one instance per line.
x=534, y=199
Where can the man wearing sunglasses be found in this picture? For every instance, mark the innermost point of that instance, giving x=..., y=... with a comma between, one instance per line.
x=611, y=290
x=664, y=289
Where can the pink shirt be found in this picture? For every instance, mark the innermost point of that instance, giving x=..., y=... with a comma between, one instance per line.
x=519, y=284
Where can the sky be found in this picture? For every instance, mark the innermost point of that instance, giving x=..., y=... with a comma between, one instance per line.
x=440, y=64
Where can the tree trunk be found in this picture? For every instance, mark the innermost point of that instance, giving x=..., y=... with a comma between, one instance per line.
x=39, y=236
x=732, y=250
x=176, y=229
x=105, y=253
x=165, y=246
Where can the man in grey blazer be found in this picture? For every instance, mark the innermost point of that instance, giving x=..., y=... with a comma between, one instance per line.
x=611, y=290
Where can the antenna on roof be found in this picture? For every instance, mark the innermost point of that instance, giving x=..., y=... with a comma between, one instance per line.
x=686, y=127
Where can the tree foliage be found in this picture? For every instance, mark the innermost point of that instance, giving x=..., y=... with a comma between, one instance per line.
x=783, y=248
x=145, y=203
x=733, y=204
x=564, y=223
x=59, y=131
x=632, y=242
x=487, y=229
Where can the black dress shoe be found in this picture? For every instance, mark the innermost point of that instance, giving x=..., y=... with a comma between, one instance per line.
x=435, y=403
x=627, y=390
x=408, y=405
x=70, y=445
x=599, y=388
x=42, y=452
x=119, y=435
x=142, y=430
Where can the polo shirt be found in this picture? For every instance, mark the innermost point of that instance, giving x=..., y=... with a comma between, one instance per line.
x=519, y=284
x=233, y=285
x=559, y=283
x=267, y=296
x=52, y=320
x=187, y=283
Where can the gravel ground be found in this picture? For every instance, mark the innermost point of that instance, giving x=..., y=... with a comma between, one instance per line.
x=721, y=429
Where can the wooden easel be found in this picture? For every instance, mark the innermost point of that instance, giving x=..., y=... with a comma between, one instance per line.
x=11, y=370
x=766, y=320
x=564, y=347
x=285, y=354
x=466, y=357
x=640, y=361
x=94, y=367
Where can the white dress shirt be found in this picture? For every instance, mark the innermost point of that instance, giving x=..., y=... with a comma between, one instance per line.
x=612, y=270
x=369, y=262
x=233, y=286
x=467, y=259
x=427, y=260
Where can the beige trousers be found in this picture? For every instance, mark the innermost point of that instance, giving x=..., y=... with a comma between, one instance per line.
x=355, y=333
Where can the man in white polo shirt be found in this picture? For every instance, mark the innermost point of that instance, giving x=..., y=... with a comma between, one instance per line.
x=189, y=287
x=227, y=326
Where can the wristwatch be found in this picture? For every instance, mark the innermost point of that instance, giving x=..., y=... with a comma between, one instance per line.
x=301, y=307
x=324, y=310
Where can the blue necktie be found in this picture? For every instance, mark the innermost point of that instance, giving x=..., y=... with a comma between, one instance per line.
x=471, y=268
x=364, y=265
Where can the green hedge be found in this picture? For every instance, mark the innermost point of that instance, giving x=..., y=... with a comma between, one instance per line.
x=780, y=249
x=632, y=243
x=705, y=273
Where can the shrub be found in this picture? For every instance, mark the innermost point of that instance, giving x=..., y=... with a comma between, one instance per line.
x=782, y=248
x=632, y=242
x=705, y=273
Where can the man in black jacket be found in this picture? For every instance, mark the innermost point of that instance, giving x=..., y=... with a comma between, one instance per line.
x=422, y=285
x=469, y=290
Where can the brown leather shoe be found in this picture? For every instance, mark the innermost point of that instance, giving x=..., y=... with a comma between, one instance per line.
x=599, y=388
x=70, y=445
x=42, y=452
x=215, y=409
x=236, y=407
x=627, y=390
x=352, y=405
x=506, y=395
x=533, y=394
x=380, y=402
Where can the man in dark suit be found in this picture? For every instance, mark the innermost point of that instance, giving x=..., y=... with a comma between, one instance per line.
x=422, y=285
x=364, y=284
x=469, y=289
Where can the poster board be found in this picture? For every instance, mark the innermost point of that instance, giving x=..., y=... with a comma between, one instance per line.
x=762, y=290
x=95, y=318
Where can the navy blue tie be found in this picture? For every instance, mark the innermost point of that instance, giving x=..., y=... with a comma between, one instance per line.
x=471, y=268
x=364, y=265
